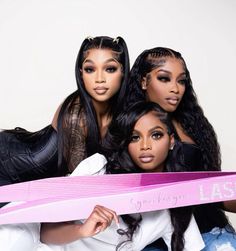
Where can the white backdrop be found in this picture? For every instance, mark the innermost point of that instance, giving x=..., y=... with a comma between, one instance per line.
x=39, y=41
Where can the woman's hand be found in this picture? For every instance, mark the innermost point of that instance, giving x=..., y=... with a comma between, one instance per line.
x=100, y=218
x=66, y=232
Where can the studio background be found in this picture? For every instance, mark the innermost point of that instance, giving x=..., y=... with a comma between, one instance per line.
x=39, y=41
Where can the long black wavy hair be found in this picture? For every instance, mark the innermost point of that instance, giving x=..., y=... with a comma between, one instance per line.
x=190, y=116
x=189, y=113
x=115, y=148
x=70, y=113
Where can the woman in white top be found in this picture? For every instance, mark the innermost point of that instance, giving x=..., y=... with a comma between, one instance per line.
x=146, y=136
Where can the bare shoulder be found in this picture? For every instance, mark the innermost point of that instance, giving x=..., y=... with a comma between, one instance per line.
x=182, y=134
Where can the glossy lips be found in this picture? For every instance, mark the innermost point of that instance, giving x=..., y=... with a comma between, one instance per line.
x=146, y=157
x=100, y=90
x=172, y=100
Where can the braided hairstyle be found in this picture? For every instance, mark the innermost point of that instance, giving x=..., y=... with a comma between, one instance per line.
x=190, y=116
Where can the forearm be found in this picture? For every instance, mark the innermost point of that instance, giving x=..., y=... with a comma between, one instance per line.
x=59, y=233
x=66, y=232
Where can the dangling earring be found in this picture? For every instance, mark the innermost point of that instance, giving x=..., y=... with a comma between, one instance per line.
x=144, y=83
x=172, y=147
x=144, y=87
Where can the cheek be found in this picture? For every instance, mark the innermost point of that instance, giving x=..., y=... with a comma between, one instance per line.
x=132, y=150
x=116, y=82
x=162, y=149
x=182, y=89
x=155, y=95
x=87, y=82
x=118, y=78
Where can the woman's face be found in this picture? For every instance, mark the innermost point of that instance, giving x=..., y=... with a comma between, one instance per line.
x=102, y=74
x=150, y=143
x=165, y=85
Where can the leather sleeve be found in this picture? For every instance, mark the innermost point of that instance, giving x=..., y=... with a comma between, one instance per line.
x=28, y=156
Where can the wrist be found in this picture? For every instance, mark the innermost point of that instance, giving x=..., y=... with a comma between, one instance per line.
x=79, y=231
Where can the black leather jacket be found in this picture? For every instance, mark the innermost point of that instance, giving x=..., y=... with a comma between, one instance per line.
x=27, y=156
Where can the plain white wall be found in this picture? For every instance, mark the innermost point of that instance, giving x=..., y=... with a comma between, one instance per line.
x=39, y=41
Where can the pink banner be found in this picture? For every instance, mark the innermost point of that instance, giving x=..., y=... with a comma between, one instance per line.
x=71, y=198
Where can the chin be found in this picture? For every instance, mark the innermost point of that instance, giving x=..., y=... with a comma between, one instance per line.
x=147, y=169
x=170, y=108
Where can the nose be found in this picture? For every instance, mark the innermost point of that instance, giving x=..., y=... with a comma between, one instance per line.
x=146, y=144
x=174, y=87
x=100, y=78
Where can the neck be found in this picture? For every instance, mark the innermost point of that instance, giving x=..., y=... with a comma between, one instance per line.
x=101, y=108
x=182, y=134
x=103, y=118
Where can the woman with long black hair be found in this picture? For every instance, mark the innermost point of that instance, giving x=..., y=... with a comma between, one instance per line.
x=102, y=69
x=79, y=125
x=138, y=140
x=160, y=75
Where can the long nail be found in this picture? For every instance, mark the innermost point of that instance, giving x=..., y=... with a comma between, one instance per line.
x=97, y=230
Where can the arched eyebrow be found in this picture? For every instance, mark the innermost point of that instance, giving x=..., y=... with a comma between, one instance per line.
x=166, y=71
x=107, y=61
x=151, y=129
x=111, y=60
x=156, y=127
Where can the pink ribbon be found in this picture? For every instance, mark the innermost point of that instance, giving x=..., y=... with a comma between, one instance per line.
x=71, y=198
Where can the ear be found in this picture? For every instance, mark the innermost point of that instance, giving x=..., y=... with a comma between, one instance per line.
x=144, y=83
x=172, y=142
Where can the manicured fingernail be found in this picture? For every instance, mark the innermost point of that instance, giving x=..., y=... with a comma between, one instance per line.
x=97, y=230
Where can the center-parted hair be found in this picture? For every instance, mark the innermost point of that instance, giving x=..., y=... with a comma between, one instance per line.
x=73, y=113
